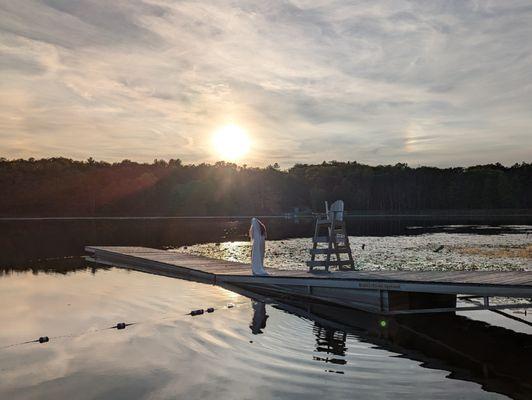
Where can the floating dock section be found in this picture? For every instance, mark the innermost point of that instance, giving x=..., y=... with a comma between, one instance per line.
x=383, y=292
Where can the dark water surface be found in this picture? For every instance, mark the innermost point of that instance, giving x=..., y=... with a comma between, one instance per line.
x=248, y=348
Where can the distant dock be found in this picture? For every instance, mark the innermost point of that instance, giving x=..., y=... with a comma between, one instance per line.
x=384, y=292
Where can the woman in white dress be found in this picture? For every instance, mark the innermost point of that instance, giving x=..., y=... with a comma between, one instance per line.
x=257, y=234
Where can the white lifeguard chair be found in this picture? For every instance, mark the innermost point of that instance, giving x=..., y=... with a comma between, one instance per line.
x=330, y=230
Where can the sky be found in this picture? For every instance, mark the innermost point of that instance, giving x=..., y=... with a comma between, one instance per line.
x=439, y=83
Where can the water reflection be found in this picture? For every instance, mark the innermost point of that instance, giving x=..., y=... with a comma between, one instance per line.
x=258, y=323
x=498, y=359
x=170, y=354
x=332, y=343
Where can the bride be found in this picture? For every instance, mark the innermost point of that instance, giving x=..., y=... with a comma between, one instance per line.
x=257, y=234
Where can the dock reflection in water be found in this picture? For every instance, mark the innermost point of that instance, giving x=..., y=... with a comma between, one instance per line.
x=498, y=359
x=332, y=343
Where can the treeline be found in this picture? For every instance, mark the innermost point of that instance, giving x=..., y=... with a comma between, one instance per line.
x=64, y=187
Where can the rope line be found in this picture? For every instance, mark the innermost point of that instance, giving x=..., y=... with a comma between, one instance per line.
x=123, y=325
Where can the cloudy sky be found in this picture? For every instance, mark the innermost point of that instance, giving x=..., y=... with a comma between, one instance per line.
x=433, y=83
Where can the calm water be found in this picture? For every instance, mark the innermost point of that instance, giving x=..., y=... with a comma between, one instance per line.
x=249, y=347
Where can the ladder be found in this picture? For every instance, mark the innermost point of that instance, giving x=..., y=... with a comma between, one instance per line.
x=330, y=231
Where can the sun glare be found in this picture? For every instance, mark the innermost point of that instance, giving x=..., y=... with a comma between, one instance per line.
x=231, y=142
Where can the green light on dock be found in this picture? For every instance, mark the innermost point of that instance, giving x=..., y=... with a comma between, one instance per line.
x=383, y=323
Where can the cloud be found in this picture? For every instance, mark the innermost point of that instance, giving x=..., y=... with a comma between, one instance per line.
x=310, y=80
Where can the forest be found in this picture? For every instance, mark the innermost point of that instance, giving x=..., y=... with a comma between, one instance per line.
x=65, y=187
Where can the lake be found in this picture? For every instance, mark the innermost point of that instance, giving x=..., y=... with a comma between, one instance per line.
x=249, y=347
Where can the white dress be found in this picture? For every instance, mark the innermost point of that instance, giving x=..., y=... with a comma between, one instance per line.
x=257, y=248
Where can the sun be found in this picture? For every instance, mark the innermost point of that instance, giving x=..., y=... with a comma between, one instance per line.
x=231, y=142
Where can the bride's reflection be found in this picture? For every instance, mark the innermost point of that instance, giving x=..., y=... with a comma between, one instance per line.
x=259, y=317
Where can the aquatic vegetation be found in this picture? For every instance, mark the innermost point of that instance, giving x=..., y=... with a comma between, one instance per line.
x=457, y=252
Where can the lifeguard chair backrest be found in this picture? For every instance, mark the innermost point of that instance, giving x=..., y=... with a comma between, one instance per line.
x=337, y=210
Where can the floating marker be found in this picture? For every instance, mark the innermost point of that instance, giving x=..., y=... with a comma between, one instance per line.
x=210, y=309
x=121, y=325
x=230, y=305
x=383, y=323
x=196, y=312
x=44, y=339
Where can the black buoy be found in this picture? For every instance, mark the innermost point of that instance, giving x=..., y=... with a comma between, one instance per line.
x=230, y=305
x=210, y=309
x=44, y=339
x=121, y=325
x=440, y=248
x=363, y=246
x=196, y=312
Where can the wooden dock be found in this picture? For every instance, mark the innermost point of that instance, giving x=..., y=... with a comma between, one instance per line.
x=386, y=292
